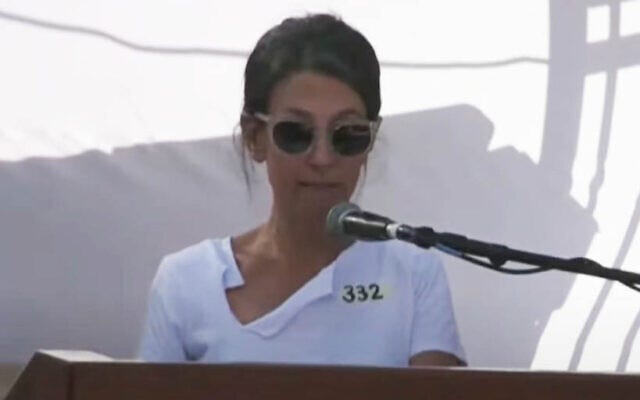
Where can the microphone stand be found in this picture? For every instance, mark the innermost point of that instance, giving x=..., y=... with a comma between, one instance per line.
x=498, y=255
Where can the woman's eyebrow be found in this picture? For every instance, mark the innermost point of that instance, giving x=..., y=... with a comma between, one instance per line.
x=299, y=112
x=348, y=112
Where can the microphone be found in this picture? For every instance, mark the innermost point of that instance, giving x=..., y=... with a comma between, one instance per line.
x=348, y=221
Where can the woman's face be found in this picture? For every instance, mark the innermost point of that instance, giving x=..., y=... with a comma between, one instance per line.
x=309, y=184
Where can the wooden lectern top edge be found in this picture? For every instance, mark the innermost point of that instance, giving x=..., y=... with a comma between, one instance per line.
x=85, y=356
x=76, y=355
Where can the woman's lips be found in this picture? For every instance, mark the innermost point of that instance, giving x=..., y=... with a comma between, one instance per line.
x=320, y=185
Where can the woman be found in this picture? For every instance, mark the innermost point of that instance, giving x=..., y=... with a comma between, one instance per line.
x=287, y=291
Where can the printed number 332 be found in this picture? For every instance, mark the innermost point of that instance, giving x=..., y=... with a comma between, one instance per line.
x=361, y=293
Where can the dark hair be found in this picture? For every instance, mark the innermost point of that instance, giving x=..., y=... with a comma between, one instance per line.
x=319, y=43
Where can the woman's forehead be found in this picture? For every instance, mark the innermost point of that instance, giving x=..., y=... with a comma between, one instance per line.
x=307, y=94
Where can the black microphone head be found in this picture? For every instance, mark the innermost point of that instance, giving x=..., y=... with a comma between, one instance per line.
x=334, y=219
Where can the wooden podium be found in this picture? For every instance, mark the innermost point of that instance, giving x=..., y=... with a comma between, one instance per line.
x=77, y=375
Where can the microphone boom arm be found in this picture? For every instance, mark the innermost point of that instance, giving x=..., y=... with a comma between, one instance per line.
x=498, y=255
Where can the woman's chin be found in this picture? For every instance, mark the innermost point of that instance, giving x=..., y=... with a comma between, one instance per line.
x=318, y=206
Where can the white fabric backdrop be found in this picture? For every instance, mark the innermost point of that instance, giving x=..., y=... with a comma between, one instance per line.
x=509, y=121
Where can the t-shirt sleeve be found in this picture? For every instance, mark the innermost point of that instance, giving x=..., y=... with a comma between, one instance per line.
x=434, y=326
x=161, y=337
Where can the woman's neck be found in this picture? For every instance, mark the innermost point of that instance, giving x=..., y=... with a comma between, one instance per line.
x=299, y=242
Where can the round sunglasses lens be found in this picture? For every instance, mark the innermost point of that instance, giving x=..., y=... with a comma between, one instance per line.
x=292, y=137
x=350, y=140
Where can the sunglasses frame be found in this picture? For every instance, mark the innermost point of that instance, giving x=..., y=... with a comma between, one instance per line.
x=374, y=126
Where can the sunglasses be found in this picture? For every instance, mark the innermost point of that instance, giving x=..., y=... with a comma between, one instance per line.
x=348, y=138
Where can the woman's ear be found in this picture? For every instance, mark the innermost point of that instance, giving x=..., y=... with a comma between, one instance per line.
x=253, y=137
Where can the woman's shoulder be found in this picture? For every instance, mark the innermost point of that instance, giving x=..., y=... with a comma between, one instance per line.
x=197, y=258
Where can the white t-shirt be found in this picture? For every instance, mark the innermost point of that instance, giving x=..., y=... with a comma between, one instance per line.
x=378, y=303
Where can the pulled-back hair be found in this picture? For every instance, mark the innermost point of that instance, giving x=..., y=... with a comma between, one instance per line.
x=319, y=43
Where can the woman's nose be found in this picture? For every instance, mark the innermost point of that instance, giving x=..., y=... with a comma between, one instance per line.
x=322, y=153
